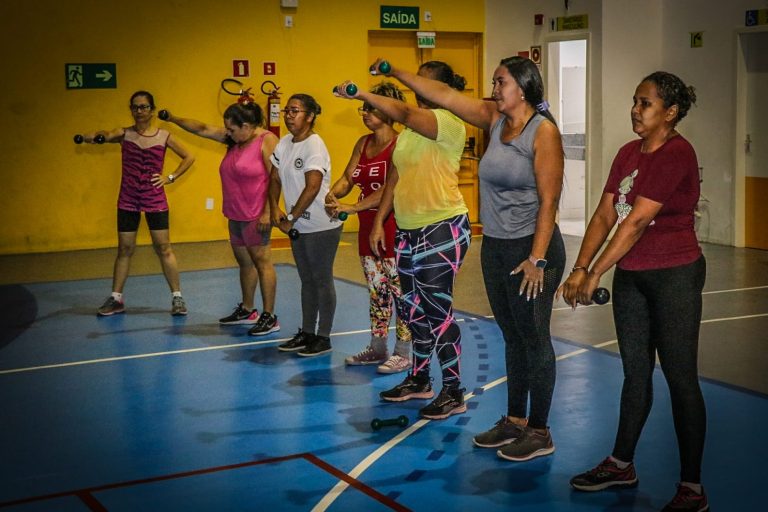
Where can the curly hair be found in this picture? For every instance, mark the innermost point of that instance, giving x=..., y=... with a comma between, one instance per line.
x=389, y=90
x=673, y=91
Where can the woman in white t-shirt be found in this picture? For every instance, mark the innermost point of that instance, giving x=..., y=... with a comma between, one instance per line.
x=301, y=171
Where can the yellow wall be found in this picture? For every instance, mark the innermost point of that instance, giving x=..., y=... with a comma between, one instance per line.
x=59, y=196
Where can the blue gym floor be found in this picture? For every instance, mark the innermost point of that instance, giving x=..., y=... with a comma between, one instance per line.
x=147, y=412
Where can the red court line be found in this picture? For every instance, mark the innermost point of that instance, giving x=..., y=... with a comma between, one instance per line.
x=353, y=482
x=91, y=502
x=86, y=495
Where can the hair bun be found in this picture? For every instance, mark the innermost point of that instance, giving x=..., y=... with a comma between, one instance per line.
x=459, y=82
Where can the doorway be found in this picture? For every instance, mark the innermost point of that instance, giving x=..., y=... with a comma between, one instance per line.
x=752, y=139
x=567, y=92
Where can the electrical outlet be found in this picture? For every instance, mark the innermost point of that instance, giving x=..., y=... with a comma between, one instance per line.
x=209, y=203
x=288, y=21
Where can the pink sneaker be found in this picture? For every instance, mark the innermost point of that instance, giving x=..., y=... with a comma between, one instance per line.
x=395, y=364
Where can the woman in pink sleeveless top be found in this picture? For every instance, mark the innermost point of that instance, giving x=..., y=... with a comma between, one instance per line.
x=142, y=189
x=244, y=183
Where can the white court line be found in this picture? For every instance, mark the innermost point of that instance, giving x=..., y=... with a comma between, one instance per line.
x=367, y=462
x=253, y=343
x=341, y=486
x=735, y=290
x=732, y=290
x=158, y=354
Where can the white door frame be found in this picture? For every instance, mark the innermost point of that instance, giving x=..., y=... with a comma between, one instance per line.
x=579, y=35
x=740, y=164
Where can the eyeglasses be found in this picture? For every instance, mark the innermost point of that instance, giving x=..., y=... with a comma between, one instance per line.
x=291, y=112
x=366, y=110
x=140, y=108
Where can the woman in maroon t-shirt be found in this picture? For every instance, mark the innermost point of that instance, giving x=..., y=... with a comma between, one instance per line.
x=652, y=191
x=367, y=169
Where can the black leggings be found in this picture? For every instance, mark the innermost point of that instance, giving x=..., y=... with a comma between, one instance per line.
x=659, y=311
x=530, y=357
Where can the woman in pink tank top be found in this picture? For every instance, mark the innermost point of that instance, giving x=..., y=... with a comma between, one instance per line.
x=244, y=182
x=367, y=170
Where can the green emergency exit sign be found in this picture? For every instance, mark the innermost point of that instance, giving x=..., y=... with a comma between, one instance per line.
x=393, y=16
x=91, y=76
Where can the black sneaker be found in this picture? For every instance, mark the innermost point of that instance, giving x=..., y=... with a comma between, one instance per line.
x=266, y=324
x=604, y=475
x=529, y=445
x=450, y=401
x=240, y=316
x=411, y=387
x=503, y=432
x=316, y=346
x=687, y=499
x=298, y=342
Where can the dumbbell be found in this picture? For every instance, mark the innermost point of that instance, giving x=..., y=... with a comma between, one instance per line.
x=293, y=234
x=99, y=139
x=164, y=115
x=342, y=216
x=384, y=67
x=350, y=89
x=601, y=296
x=401, y=421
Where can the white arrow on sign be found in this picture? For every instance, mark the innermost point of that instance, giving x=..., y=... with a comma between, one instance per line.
x=106, y=76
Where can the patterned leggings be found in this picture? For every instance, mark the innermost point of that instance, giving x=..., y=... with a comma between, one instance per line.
x=428, y=260
x=384, y=289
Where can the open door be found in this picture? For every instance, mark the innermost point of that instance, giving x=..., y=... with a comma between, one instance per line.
x=754, y=138
x=567, y=93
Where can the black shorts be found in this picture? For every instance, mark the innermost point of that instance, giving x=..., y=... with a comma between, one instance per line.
x=128, y=221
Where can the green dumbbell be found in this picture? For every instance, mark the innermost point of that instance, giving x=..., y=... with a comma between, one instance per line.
x=350, y=89
x=401, y=421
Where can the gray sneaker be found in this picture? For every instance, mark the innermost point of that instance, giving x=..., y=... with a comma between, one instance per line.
x=111, y=307
x=365, y=357
x=528, y=446
x=503, y=432
x=178, y=307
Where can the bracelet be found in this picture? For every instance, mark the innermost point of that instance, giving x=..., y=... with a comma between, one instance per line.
x=574, y=269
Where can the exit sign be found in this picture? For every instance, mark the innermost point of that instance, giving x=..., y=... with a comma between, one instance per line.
x=393, y=16
x=578, y=22
x=425, y=39
x=91, y=76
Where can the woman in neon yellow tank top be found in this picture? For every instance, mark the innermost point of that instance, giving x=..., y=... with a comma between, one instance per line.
x=433, y=235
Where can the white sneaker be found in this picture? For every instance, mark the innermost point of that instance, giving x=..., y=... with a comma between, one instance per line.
x=395, y=364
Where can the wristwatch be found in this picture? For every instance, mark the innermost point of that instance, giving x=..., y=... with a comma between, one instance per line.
x=539, y=262
x=289, y=217
x=171, y=178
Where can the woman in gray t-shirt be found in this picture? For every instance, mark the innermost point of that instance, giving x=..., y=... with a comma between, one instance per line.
x=523, y=255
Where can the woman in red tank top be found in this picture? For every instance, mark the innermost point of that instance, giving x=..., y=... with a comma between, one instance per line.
x=367, y=170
